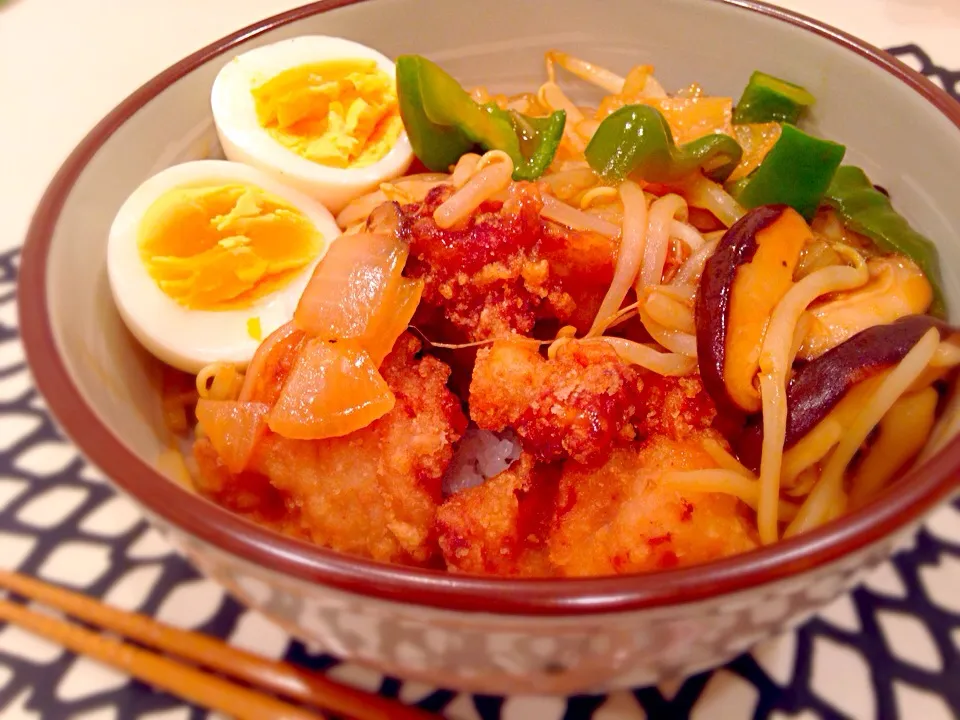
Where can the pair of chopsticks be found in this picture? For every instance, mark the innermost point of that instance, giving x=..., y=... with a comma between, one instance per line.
x=191, y=681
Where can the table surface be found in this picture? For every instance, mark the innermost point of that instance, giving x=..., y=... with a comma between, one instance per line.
x=889, y=649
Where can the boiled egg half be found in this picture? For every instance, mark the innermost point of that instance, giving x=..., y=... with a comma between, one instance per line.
x=207, y=258
x=319, y=113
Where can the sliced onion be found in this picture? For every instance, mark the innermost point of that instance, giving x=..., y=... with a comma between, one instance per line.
x=234, y=429
x=278, y=345
x=350, y=290
x=333, y=390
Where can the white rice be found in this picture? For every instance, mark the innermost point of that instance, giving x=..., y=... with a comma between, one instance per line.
x=480, y=455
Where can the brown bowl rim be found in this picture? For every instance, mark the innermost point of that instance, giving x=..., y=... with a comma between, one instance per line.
x=905, y=504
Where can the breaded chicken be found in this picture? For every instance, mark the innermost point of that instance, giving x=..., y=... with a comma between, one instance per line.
x=504, y=269
x=248, y=493
x=501, y=527
x=416, y=442
x=677, y=407
x=622, y=517
x=373, y=492
x=535, y=520
x=583, y=264
x=577, y=405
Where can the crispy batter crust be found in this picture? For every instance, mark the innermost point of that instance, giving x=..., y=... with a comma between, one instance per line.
x=535, y=520
x=504, y=269
x=577, y=405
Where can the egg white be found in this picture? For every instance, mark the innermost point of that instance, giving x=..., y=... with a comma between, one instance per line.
x=185, y=338
x=245, y=140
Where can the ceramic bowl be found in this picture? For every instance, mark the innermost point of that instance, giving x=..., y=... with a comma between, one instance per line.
x=491, y=635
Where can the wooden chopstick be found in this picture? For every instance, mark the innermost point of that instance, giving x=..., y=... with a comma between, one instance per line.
x=185, y=681
x=279, y=677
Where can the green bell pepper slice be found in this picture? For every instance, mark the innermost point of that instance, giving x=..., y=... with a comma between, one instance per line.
x=538, y=138
x=443, y=122
x=770, y=99
x=796, y=172
x=866, y=210
x=447, y=104
x=637, y=139
x=438, y=146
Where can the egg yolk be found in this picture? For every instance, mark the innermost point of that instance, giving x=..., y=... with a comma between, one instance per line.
x=222, y=247
x=340, y=113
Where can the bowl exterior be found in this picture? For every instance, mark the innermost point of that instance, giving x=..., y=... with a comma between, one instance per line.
x=499, y=654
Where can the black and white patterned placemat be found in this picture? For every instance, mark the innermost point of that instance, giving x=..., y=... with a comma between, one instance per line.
x=891, y=649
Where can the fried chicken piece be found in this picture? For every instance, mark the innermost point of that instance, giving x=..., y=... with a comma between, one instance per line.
x=374, y=492
x=504, y=381
x=416, y=441
x=622, y=518
x=248, y=493
x=583, y=264
x=501, y=526
x=504, y=269
x=536, y=520
x=677, y=407
x=577, y=405
x=333, y=485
